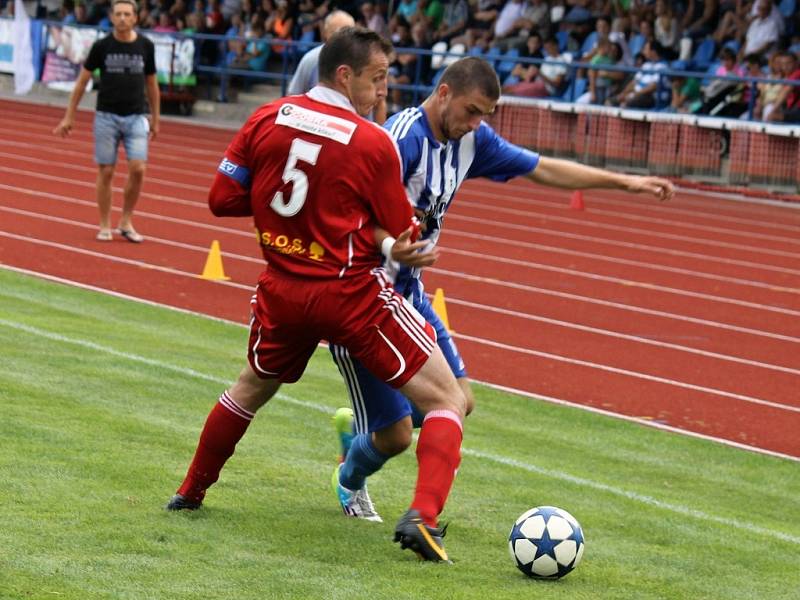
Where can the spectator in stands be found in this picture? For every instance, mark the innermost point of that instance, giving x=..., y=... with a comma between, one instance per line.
x=534, y=17
x=99, y=11
x=578, y=25
x=194, y=24
x=524, y=71
x=642, y=90
x=372, y=19
x=233, y=44
x=432, y=12
x=280, y=25
x=255, y=52
x=551, y=79
x=604, y=83
x=723, y=97
x=407, y=9
x=481, y=22
x=769, y=93
x=78, y=16
x=700, y=19
x=667, y=29
x=601, y=8
x=146, y=19
x=404, y=67
x=764, y=29
x=214, y=21
x=506, y=19
x=454, y=21
x=687, y=96
x=788, y=101
x=602, y=29
x=166, y=24
x=178, y=10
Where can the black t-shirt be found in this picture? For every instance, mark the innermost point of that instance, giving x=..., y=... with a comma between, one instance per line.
x=123, y=67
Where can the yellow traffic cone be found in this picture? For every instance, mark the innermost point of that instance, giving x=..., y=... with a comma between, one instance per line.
x=213, y=269
x=440, y=308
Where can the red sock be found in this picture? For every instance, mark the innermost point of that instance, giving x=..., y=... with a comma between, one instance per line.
x=225, y=426
x=438, y=455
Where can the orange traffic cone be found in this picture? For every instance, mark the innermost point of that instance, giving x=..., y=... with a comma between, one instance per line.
x=213, y=270
x=576, y=203
x=440, y=308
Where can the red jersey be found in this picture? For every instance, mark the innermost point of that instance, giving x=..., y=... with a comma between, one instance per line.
x=317, y=179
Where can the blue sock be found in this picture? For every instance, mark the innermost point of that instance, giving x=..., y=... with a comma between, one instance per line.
x=362, y=460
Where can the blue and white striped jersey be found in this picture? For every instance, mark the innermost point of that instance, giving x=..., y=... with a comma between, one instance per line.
x=432, y=172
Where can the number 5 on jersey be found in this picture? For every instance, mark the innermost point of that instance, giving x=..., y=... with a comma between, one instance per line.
x=300, y=150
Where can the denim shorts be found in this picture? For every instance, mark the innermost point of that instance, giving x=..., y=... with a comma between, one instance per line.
x=110, y=129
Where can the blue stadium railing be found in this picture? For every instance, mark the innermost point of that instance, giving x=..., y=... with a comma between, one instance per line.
x=217, y=71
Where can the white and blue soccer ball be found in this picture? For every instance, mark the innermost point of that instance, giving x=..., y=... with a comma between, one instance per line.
x=546, y=542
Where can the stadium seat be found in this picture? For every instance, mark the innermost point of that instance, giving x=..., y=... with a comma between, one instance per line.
x=588, y=43
x=476, y=51
x=733, y=45
x=493, y=55
x=507, y=63
x=563, y=39
x=703, y=55
x=636, y=44
x=575, y=89
x=787, y=8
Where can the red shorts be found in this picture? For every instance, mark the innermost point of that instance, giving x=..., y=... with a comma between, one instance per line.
x=362, y=313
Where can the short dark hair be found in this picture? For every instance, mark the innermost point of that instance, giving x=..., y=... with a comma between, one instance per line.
x=727, y=54
x=469, y=73
x=351, y=46
x=131, y=2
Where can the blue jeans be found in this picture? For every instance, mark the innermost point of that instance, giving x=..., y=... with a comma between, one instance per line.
x=110, y=129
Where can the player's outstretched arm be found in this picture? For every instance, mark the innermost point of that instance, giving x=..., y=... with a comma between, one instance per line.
x=572, y=175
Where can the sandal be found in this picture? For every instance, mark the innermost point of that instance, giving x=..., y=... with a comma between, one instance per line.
x=104, y=235
x=131, y=235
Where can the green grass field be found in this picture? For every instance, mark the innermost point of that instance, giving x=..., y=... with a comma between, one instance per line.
x=102, y=400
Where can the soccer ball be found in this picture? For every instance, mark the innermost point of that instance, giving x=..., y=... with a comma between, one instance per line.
x=546, y=542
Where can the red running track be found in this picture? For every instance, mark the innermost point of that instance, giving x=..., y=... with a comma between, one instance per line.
x=683, y=314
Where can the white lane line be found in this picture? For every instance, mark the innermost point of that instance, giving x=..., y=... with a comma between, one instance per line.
x=93, y=171
x=643, y=232
x=655, y=250
x=460, y=275
x=638, y=284
x=623, y=336
x=496, y=458
x=647, y=422
x=624, y=212
x=627, y=373
x=139, y=213
x=748, y=235
x=176, y=151
x=454, y=300
x=118, y=259
x=627, y=307
x=482, y=341
x=703, y=259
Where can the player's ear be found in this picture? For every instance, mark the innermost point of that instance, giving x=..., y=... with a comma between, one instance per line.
x=443, y=91
x=344, y=73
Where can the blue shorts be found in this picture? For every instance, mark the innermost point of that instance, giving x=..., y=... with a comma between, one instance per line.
x=110, y=129
x=375, y=404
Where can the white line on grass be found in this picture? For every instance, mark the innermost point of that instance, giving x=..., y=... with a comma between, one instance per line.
x=511, y=462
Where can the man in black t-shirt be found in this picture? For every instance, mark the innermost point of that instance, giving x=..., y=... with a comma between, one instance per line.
x=127, y=66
